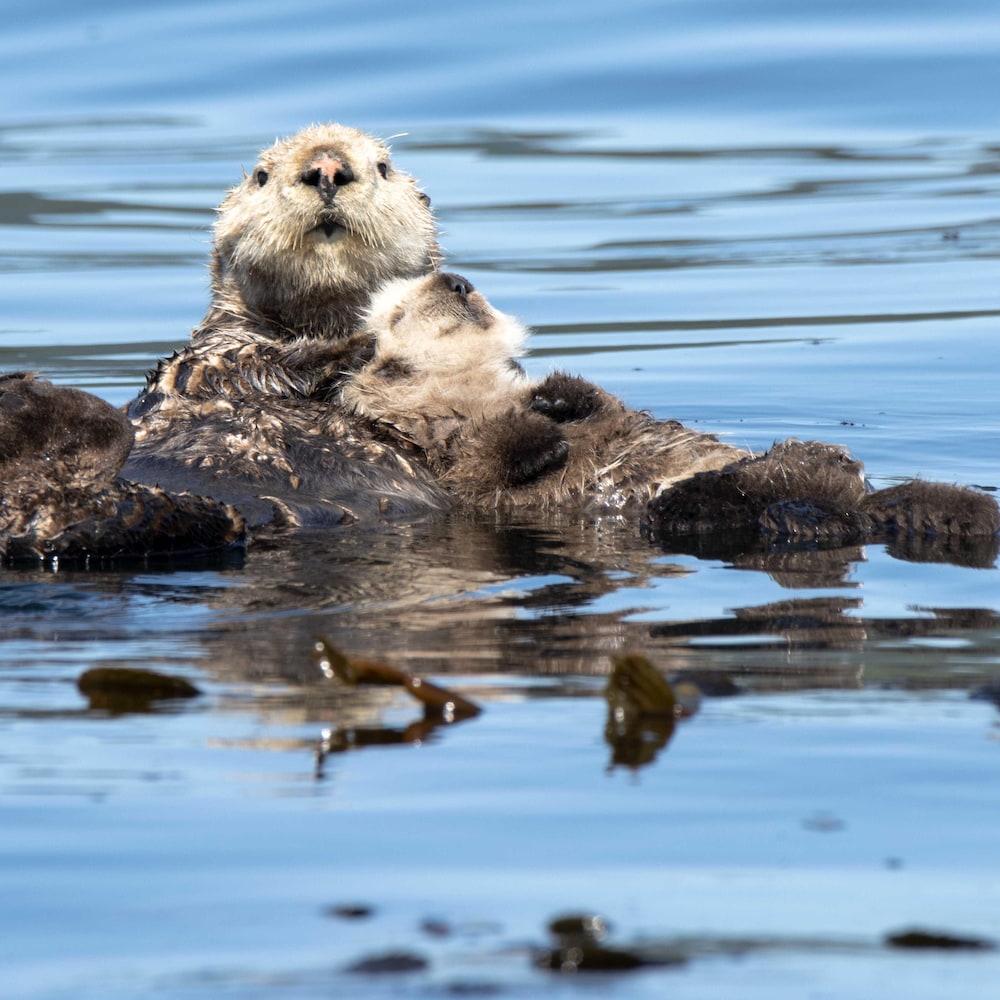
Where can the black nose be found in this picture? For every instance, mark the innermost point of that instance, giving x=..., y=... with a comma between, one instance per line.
x=327, y=174
x=456, y=283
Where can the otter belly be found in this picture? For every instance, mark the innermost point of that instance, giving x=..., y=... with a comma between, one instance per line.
x=285, y=463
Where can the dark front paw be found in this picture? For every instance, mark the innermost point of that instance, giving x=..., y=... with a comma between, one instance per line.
x=533, y=464
x=525, y=446
x=564, y=398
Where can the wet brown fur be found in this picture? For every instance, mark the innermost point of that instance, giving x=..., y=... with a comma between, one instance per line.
x=500, y=440
x=815, y=492
x=60, y=496
x=445, y=378
x=243, y=412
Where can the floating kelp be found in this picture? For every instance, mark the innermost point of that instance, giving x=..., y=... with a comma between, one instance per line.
x=126, y=689
x=389, y=963
x=639, y=688
x=579, y=926
x=439, y=703
x=579, y=947
x=591, y=957
x=349, y=911
x=642, y=711
x=920, y=938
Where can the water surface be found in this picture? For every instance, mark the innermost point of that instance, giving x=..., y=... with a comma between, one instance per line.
x=763, y=219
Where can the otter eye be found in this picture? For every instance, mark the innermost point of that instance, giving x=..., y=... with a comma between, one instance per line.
x=260, y=176
x=383, y=169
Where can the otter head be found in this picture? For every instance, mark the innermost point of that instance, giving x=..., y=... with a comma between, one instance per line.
x=321, y=220
x=439, y=323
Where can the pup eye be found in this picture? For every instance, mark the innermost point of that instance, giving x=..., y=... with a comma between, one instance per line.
x=383, y=169
x=260, y=177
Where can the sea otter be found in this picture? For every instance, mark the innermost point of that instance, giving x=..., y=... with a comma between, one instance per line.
x=60, y=495
x=444, y=376
x=252, y=410
x=245, y=411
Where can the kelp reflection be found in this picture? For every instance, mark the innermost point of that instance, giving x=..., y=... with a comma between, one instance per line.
x=558, y=596
x=538, y=597
x=441, y=706
x=642, y=712
x=643, y=708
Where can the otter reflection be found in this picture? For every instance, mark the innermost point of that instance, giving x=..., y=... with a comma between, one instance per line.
x=543, y=598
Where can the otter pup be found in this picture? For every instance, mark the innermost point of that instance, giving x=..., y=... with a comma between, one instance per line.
x=445, y=378
x=60, y=452
x=243, y=412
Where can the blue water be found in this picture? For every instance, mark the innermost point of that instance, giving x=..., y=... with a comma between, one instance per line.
x=763, y=219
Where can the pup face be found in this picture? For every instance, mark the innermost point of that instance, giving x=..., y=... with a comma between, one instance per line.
x=441, y=323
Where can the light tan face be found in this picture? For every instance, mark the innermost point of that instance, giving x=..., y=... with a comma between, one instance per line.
x=440, y=321
x=326, y=206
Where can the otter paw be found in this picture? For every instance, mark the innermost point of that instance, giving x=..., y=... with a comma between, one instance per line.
x=525, y=446
x=564, y=398
x=533, y=464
